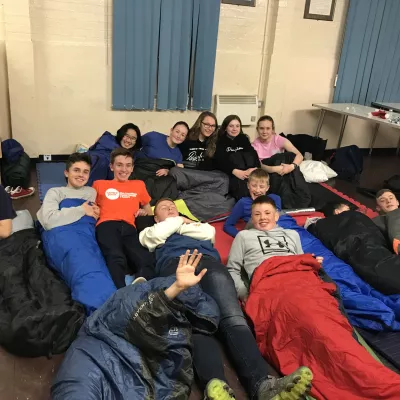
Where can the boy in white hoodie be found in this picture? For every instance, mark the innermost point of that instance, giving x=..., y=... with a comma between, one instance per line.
x=172, y=236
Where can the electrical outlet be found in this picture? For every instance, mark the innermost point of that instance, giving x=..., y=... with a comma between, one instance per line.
x=47, y=157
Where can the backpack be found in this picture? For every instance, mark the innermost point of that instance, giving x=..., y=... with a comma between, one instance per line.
x=16, y=164
x=393, y=184
x=307, y=143
x=348, y=163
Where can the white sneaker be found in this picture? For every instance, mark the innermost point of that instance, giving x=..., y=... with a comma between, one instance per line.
x=8, y=189
x=140, y=279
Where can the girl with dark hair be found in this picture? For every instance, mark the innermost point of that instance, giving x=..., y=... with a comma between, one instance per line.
x=235, y=156
x=199, y=147
x=129, y=137
x=159, y=146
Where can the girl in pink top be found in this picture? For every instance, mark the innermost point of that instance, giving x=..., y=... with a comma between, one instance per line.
x=269, y=143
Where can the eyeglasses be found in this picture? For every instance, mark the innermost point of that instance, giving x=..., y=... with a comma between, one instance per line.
x=208, y=126
x=131, y=138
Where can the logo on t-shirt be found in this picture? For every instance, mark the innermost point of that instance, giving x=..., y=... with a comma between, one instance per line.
x=114, y=194
x=276, y=245
x=229, y=149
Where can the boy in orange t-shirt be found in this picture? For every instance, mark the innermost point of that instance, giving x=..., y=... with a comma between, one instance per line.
x=121, y=201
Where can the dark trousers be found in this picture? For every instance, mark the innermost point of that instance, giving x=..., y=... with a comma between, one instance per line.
x=124, y=255
x=234, y=331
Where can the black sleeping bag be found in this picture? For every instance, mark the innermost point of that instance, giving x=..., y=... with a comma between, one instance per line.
x=355, y=239
x=292, y=188
x=37, y=315
x=157, y=186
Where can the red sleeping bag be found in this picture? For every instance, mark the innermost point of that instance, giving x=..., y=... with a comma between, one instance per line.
x=297, y=322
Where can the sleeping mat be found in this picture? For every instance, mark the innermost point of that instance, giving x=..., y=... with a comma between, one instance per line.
x=72, y=251
x=297, y=321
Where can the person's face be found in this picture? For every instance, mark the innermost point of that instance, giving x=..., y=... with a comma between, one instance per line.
x=165, y=209
x=264, y=216
x=265, y=131
x=129, y=140
x=78, y=174
x=122, y=168
x=233, y=128
x=178, y=134
x=387, y=202
x=342, y=208
x=207, y=127
x=257, y=187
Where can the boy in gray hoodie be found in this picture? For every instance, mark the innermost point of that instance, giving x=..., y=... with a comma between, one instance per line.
x=265, y=240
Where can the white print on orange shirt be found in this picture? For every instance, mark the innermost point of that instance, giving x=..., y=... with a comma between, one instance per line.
x=114, y=194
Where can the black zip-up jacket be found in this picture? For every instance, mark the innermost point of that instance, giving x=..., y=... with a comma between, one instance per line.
x=235, y=153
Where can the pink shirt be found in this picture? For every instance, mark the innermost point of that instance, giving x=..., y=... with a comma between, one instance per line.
x=267, y=150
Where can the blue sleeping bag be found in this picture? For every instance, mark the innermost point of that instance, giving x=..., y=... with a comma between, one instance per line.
x=100, y=156
x=366, y=307
x=72, y=251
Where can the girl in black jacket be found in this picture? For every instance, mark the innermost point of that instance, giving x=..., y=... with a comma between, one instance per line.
x=235, y=155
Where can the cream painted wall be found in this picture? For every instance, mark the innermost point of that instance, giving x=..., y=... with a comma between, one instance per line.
x=59, y=70
x=5, y=126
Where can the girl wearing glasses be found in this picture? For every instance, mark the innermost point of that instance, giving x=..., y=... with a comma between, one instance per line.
x=199, y=147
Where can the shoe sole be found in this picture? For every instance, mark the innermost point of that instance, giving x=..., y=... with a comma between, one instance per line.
x=22, y=197
x=301, y=388
x=218, y=390
x=139, y=280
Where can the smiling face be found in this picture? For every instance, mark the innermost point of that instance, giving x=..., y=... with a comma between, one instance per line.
x=233, y=129
x=265, y=130
x=178, y=134
x=129, y=139
x=264, y=216
x=78, y=174
x=165, y=209
x=122, y=168
x=207, y=127
x=387, y=202
x=257, y=187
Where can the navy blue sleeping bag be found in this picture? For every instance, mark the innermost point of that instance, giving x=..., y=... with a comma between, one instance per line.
x=72, y=250
x=137, y=346
x=366, y=307
x=100, y=156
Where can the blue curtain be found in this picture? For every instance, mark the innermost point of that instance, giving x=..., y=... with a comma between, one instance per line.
x=174, y=54
x=204, y=42
x=370, y=60
x=136, y=25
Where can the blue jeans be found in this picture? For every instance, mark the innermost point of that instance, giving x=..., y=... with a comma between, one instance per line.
x=234, y=331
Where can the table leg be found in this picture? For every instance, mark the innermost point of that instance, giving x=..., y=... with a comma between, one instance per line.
x=398, y=147
x=371, y=145
x=342, y=128
x=320, y=121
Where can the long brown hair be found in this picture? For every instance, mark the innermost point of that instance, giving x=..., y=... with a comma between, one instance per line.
x=226, y=122
x=195, y=130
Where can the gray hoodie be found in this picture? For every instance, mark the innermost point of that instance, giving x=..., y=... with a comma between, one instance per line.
x=251, y=247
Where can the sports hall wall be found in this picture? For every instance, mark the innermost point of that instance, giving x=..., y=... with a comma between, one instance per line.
x=55, y=71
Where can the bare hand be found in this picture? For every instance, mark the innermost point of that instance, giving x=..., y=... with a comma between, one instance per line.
x=250, y=170
x=286, y=169
x=162, y=172
x=244, y=301
x=318, y=258
x=187, y=220
x=185, y=273
x=141, y=213
x=91, y=210
x=242, y=175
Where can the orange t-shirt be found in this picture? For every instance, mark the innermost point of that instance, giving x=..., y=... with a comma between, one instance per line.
x=119, y=201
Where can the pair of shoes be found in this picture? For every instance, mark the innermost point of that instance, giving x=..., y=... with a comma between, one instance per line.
x=19, y=192
x=295, y=386
x=139, y=279
x=218, y=390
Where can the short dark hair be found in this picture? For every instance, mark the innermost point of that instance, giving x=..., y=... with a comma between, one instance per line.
x=266, y=118
x=382, y=192
x=264, y=199
x=121, y=132
x=120, y=151
x=329, y=208
x=160, y=201
x=78, y=157
x=181, y=123
x=259, y=173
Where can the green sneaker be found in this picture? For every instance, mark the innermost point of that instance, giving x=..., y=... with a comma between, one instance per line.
x=295, y=386
x=218, y=390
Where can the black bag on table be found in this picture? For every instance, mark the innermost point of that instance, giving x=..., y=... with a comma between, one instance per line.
x=348, y=162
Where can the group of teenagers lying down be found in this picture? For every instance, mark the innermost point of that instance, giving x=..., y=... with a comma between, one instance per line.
x=138, y=344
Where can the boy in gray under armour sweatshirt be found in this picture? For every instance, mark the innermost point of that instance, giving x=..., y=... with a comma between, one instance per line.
x=251, y=247
x=77, y=173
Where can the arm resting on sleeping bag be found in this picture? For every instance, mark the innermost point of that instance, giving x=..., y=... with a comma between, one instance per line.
x=235, y=265
x=236, y=214
x=50, y=216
